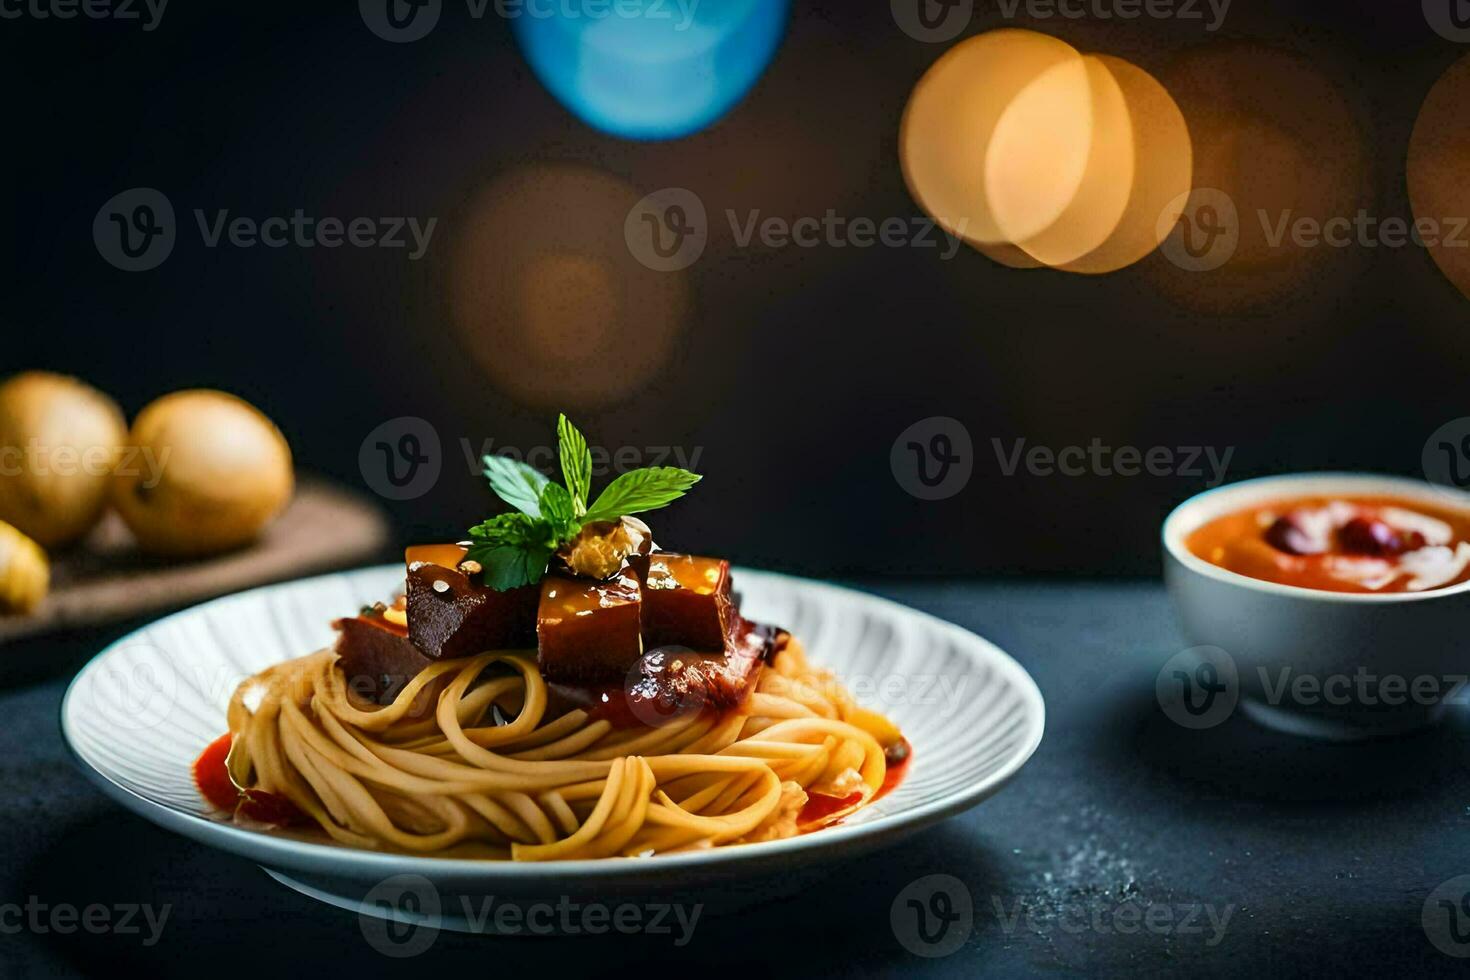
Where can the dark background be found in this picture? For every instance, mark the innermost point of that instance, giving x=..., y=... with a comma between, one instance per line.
x=796, y=369
x=794, y=374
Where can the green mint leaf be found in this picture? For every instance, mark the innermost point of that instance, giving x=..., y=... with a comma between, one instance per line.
x=508, y=566
x=511, y=528
x=641, y=490
x=517, y=483
x=576, y=463
x=558, y=511
x=512, y=549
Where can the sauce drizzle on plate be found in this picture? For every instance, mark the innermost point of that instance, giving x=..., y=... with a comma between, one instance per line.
x=212, y=776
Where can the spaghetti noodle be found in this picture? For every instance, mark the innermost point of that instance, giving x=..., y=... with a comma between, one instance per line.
x=469, y=758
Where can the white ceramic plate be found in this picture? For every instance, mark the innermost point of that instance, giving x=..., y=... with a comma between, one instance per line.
x=141, y=711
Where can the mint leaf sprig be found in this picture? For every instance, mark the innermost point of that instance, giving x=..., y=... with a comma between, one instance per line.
x=513, y=548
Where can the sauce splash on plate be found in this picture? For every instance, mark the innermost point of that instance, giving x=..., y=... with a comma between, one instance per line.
x=212, y=776
x=820, y=806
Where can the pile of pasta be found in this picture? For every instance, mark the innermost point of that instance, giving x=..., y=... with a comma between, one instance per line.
x=487, y=773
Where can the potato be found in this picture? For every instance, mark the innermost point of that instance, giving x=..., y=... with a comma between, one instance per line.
x=212, y=472
x=25, y=575
x=59, y=440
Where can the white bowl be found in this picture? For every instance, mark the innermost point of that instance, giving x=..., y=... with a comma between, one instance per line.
x=140, y=713
x=1313, y=662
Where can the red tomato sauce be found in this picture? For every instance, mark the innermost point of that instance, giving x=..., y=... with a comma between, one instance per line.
x=212, y=777
x=1341, y=544
x=819, y=806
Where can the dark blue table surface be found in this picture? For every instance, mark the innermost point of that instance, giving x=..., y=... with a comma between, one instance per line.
x=1128, y=846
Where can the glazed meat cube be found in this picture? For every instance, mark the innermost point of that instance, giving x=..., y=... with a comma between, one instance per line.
x=686, y=601
x=589, y=631
x=376, y=657
x=668, y=684
x=450, y=614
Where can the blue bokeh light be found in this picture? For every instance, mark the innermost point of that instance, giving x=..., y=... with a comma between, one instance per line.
x=650, y=69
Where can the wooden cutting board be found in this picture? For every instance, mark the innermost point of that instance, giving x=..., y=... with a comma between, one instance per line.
x=106, y=580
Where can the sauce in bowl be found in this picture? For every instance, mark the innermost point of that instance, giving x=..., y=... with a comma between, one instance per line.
x=1341, y=544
